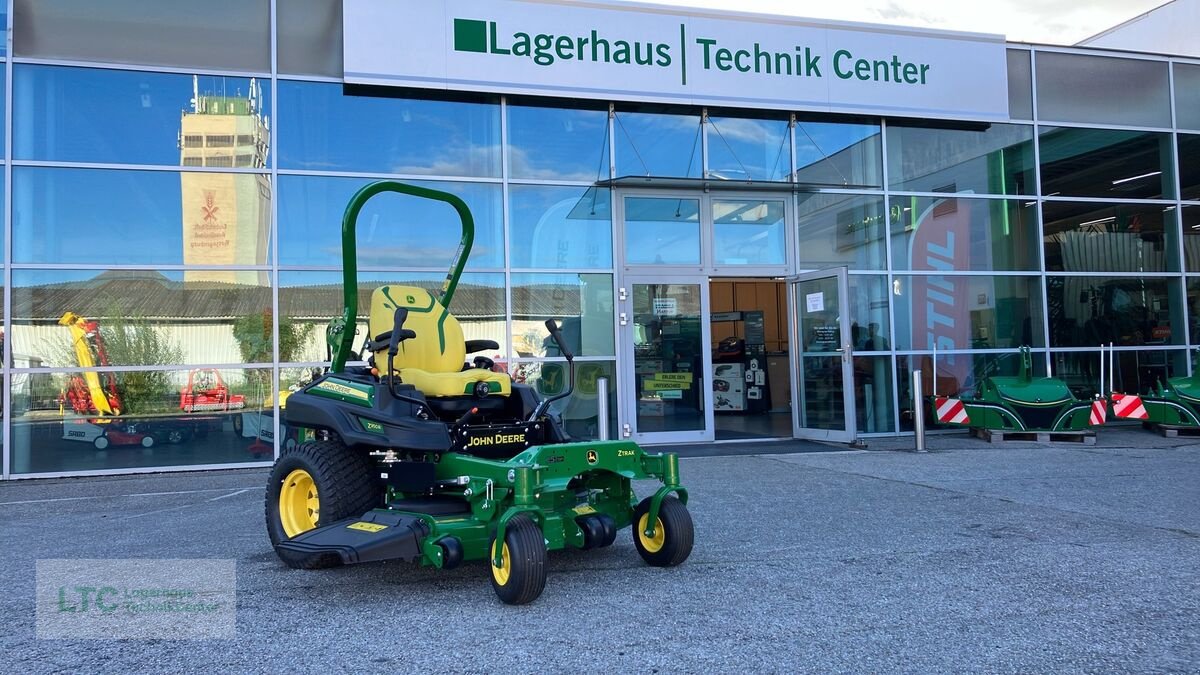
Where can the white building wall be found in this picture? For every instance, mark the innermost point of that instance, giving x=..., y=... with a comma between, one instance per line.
x=1169, y=29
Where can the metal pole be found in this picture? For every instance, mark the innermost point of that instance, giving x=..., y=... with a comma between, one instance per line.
x=1112, y=378
x=1100, y=391
x=602, y=407
x=918, y=411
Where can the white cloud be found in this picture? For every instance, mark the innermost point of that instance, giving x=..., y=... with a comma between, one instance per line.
x=1042, y=21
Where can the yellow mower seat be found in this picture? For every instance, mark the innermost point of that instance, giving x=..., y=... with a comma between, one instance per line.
x=433, y=360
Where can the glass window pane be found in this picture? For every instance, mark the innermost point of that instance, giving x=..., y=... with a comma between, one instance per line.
x=310, y=37
x=556, y=227
x=868, y=309
x=668, y=340
x=3, y=93
x=140, y=217
x=873, y=394
x=1193, y=301
x=1190, y=215
x=837, y=229
x=957, y=375
x=839, y=154
x=662, y=231
x=580, y=410
x=221, y=34
x=748, y=232
x=394, y=230
x=964, y=234
x=1135, y=372
x=142, y=317
x=1105, y=163
x=1080, y=88
x=582, y=304
x=151, y=431
x=748, y=149
x=125, y=116
x=649, y=144
x=995, y=159
x=1020, y=85
x=557, y=143
x=1091, y=237
x=311, y=299
x=1187, y=96
x=322, y=129
x=1189, y=166
x=967, y=312
x=1127, y=311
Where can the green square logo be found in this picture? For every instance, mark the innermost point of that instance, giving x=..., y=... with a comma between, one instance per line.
x=470, y=36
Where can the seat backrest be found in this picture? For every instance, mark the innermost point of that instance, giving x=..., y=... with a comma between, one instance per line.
x=439, y=346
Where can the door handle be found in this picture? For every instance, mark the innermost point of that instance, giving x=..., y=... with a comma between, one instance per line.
x=846, y=353
x=624, y=319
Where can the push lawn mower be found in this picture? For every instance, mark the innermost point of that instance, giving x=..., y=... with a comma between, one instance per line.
x=420, y=457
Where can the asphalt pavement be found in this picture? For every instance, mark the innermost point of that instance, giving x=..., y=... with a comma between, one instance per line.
x=974, y=557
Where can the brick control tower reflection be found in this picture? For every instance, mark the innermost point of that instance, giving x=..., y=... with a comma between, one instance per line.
x=226, y=216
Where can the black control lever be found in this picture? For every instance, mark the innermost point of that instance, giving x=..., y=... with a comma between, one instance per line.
x=467, y=416
x=552, y=326
x=555, y=333
x=397, y=335
x=398, y=332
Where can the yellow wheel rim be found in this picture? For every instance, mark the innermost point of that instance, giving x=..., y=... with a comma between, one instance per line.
x=299, y=505
x=500, y=574
x=651, y=544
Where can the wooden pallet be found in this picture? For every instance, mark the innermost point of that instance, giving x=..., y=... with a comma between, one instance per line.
x=1000, y=436
x=1172, y=431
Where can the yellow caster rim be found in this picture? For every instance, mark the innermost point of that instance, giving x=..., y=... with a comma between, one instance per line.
x=501, y=573
x=299, y=504
x=651, y=544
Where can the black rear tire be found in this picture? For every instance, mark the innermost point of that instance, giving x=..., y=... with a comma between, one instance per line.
x=674, y=534
x=344, y=485
x=523, y=578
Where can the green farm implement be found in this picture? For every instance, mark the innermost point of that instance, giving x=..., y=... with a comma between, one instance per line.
x=1020, y=403
x=421, y=456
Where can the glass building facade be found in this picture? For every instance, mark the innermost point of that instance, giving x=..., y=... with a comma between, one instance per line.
x=172, y=206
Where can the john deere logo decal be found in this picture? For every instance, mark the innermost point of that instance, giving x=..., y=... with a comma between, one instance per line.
x=591, y=457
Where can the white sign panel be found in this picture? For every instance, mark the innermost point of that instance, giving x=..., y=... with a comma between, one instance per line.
x=620, y=51
x=815, y=302
x=665, y=307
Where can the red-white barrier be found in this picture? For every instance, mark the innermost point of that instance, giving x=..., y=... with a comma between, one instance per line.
x=1128, y=406
x=951, y=411
x=1099, y=413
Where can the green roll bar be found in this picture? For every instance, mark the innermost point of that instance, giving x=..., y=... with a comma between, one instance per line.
x=340, y=333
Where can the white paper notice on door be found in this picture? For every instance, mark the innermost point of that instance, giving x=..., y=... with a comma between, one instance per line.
x=815, y=302
x=666, y=307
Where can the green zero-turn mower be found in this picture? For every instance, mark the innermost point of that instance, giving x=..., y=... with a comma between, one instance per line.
x=419, y=456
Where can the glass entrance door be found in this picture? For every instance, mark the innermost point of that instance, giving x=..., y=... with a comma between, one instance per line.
x=823, y=364
x=667, y=356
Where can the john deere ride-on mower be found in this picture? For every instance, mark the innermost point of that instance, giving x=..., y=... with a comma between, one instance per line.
x=420, y=456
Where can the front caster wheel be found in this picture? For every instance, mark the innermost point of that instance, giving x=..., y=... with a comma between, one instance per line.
x=673, y=533
x=522, y=576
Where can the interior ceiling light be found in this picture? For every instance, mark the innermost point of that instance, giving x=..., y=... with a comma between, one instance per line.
x=1138, y=177
x=1098, y=221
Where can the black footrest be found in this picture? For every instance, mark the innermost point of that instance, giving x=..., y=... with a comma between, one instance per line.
x=376, y=535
